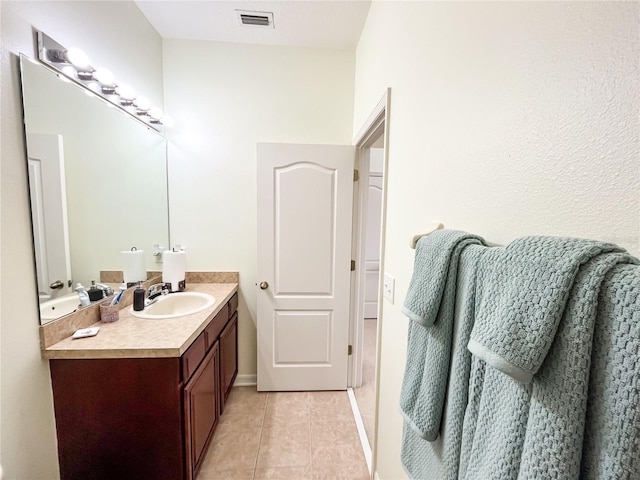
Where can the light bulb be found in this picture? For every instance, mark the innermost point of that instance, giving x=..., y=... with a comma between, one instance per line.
x=78, y=58
x=142, y=103
x=69, y=71
x=126, y=92
x=104, y=76
x=155, y=113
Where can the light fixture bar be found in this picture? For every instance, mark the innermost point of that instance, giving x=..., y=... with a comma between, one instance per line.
x=74, y=65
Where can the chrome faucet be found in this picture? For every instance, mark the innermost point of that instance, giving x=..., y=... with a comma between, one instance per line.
x=108, y=291
x=156, y=291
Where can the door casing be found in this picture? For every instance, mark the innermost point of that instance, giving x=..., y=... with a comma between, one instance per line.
x=377, y=124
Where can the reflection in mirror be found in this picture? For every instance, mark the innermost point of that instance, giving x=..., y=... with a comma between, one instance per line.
x=98, y=185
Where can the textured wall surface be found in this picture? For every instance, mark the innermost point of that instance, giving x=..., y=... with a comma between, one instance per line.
x=507, y=119
x=114, y=34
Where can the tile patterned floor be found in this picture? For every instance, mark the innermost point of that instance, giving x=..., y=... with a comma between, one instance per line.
x=285, y=435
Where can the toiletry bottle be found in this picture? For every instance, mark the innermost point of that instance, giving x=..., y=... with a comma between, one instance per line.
x=138, y=298
x=82, y=295
x=94, y=292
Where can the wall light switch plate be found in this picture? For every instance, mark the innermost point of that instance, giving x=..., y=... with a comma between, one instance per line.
x=388, y=288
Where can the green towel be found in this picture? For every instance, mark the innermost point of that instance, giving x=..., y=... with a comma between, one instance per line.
x=523, y=296
x=430, y=305
x=612, y=427
x=431, y=268
x=579, y=417
x=516, y=430
x=440, y=459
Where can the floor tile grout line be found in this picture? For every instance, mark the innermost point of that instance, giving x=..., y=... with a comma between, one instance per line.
x=264, y=414
x=310, y=435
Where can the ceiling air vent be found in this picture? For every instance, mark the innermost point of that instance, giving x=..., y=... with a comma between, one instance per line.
x=255, y=19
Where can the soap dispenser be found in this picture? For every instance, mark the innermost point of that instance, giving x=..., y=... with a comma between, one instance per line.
x=82, y=295
x=138, y=298
x=94, y=292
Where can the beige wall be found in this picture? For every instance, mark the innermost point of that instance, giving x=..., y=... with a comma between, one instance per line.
x=116, y=35
x=507, y=119
x=225, y=98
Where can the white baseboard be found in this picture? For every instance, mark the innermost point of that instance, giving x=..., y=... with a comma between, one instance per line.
x=366, y=448
x=246, y=380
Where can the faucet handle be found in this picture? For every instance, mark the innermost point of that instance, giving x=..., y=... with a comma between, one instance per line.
x=158, y=289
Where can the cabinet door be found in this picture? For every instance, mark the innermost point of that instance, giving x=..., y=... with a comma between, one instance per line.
x=201, y=410
x=228, y=358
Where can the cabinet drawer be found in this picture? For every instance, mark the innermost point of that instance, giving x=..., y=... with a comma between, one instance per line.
x=193, y=356
x=215, y=326
x=233, y=304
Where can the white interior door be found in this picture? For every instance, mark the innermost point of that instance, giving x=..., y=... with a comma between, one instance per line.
x=372, y=248
x=305, y=195
x=49, y=214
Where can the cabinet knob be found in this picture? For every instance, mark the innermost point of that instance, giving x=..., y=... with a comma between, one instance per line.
x=264, y=285
x=56, y=284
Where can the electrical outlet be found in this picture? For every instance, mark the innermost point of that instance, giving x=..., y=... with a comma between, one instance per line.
x=388, y=287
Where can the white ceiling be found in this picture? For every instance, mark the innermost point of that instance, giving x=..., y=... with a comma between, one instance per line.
x=317, y=23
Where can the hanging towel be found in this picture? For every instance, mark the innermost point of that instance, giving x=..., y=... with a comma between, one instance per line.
x=612, y=434
x=494, y=425
x=523, y=297
x=431, y=268
x=440, y=459
x=430, y=306
x=556, y=420
x=519, y=430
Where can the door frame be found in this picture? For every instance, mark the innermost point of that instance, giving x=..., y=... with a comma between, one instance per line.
x=377, y=123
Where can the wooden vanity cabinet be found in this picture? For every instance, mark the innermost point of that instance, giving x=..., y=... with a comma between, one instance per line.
x=228, y=358
x=229, y=352
x=144, y=418
x=201, y=411
x=119, y=418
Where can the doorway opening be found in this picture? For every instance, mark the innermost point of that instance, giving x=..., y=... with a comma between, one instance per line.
x=368, y=252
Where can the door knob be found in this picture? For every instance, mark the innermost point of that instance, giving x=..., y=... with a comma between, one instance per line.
x=57, y=284
x=264, y=285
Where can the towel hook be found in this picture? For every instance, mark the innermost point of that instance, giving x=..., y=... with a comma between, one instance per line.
x=414, y=240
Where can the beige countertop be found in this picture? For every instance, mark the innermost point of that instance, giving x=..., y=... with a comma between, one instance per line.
x=132, y=337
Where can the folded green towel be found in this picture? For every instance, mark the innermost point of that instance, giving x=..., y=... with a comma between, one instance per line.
x=556, y=419
x=431, y=269
x=431, y=301
x=516, y=430
x=440, y=459
x=522, y=297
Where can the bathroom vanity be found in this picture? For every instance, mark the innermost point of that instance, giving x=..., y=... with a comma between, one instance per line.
x=142, y=399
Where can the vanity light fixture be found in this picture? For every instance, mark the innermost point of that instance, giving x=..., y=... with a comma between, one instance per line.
x=105, y=80
x=142, y=105
x=155, y=114
x=73, y=64
x=126, y=94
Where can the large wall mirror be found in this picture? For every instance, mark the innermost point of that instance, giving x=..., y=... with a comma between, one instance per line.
x=98, y=184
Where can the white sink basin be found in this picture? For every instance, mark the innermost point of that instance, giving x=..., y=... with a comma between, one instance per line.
x=176, y=305
x=52, y=309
